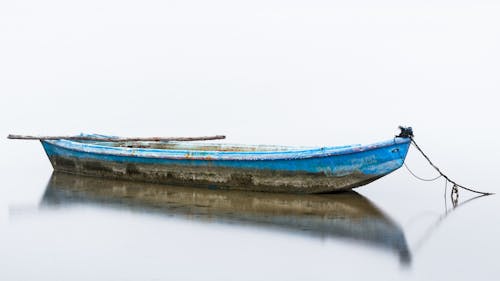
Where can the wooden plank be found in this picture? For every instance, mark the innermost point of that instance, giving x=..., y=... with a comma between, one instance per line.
x=114, y=139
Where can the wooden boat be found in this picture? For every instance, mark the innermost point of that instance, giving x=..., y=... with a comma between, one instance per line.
x=344, y=216
x=228, y=166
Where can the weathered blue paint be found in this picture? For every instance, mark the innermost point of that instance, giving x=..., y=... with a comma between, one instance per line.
x=374, y=160
x=382, y=157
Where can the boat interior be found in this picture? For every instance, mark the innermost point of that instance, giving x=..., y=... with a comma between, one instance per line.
x=202, y=146
x=205, y=146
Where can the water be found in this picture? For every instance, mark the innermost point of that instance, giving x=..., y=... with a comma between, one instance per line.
x=271, y=72
x=57, y=226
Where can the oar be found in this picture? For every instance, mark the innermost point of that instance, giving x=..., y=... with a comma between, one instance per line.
x=114, y=139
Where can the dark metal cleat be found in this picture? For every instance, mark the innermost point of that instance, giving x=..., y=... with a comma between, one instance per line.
x=406, y=132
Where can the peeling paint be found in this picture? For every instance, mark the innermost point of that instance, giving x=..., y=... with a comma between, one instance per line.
x=296, y=170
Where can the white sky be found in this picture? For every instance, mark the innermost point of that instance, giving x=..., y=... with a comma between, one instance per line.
x=259, y=71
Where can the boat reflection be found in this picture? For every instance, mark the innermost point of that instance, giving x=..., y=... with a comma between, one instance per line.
x=346, y=215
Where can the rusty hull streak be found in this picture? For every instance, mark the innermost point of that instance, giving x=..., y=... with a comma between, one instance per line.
x=214, y=177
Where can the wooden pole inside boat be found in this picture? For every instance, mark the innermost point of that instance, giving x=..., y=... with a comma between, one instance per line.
x=115, y=139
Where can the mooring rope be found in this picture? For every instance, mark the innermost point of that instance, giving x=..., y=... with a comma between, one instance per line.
x=407, y=132
x=455, y=184
x=418, y=177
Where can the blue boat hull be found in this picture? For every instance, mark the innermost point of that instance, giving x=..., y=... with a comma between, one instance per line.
x=316, y=170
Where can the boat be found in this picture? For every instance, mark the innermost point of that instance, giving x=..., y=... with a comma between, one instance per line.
x=265, y=168
x=346, y=216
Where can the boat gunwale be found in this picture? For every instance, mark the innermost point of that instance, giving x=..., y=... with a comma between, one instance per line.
x=222, y=155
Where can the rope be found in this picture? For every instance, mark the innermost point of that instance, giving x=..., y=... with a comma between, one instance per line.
x=441, y=174
x=420, y=178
